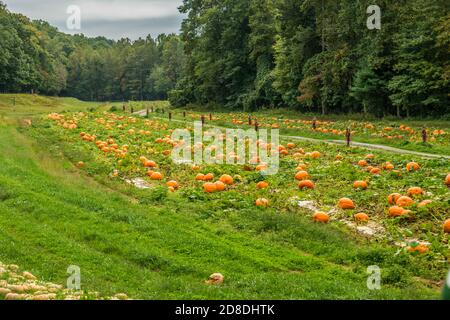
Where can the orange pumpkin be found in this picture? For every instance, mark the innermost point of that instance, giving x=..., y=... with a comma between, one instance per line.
x=291, y=145
x=392, y=198
x=397, y=211
x=208, y=177
x=220, y=186
x=412, y=166
x=306, y=184
x=210, y=187
x=388, y=166
x=195, y=168
x=360, y=185
x=156, y=176
x=361, y=217
x=301, y=175
x=375, y=171
x=301, y=167
x=346, y=204
x=262, y=202
x=447, y=180
x=370, y=156
x=172, y=184
x=404, y=201
x=414, y=191
x=150, y=164
x=321, y=217
x=261, y=167
x=362, y=163
x=80, y=164
x=262, y=185
x=447, y=226
x=200, y=177
x=227, y=179
x=316, y=154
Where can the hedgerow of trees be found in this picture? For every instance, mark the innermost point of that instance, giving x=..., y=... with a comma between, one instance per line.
x=309, y=55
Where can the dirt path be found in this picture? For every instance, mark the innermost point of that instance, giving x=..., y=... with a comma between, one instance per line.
x=368, y=146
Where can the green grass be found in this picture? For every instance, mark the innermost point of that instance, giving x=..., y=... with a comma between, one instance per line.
x=27, y=105
x=164, y=246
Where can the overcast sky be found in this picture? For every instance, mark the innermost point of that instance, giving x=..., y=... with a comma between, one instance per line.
x=113, y=19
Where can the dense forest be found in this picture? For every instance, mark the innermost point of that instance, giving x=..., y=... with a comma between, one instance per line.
x=36, y=57
x=309, y=55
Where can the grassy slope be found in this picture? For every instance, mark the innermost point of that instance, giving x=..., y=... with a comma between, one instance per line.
x=51, y=216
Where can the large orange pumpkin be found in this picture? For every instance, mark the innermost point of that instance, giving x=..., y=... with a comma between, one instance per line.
x=261, y=167
x=362, y=163
x=262, y=185
x=227, y=179
x=301, y=175
x=361, y=217
x=150, y=164
x=172, y=184
x=156, y=176
x=447, y=226
x=412, y=166
x=306, y=184
x=404, y=201
x=220, y=186
x=360, y=185
x=316, y=154
x=388, y=166
x=262, y=202
x=346, y=204
x=392, y=198
x=414, y=191
x=447, y=180
x=200, y=177
x=397, y=211
x=210, y=187
x=321, y=217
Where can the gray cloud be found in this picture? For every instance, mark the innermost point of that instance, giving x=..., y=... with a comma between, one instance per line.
x=110, y=18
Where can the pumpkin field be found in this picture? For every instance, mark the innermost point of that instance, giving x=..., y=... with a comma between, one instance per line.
x=89, y=185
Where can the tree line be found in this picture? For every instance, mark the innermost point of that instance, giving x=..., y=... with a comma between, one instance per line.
x=317, y=55
x=36, y=57
x=308, y=55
